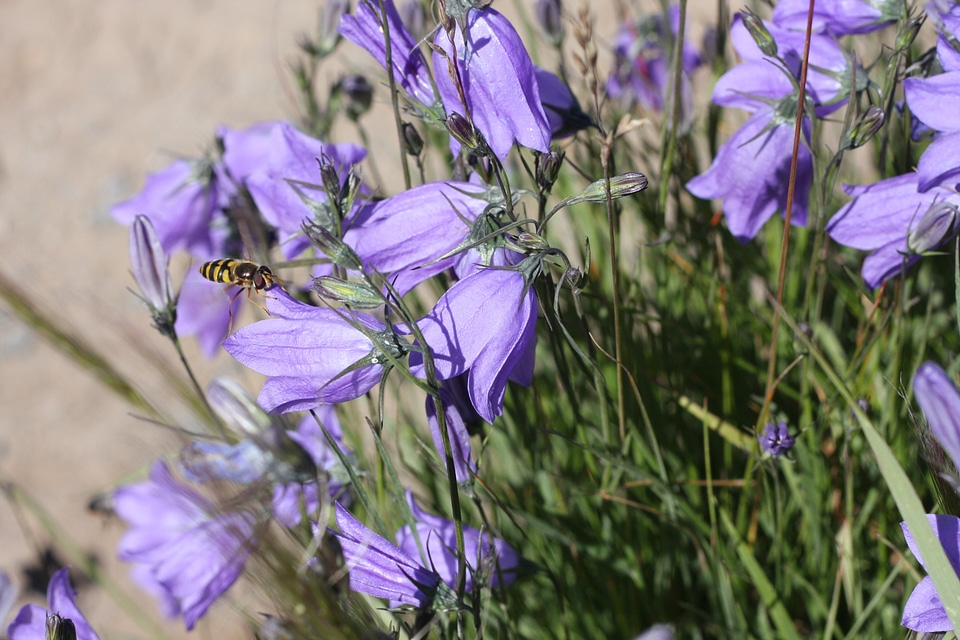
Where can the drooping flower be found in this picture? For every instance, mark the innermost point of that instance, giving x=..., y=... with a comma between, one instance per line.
x=924, y=611
x=560, y=105
x=32, y=621
x=378, y=568
x=313, y=355
x=776, y=439
x=897, y=222
x=409, y=65
x=458, y=413
x=489, y=560
x=498, y=80
x=485, y=326
x=185, y=203
x=404, y=235
x=192, y=553
x=838, y=17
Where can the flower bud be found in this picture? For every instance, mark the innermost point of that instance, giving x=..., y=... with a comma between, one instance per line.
x=548, y=170
x=464, y=131
x=328, y=26
x=870, y=122
x=412, y=142
x=329, y=178
x=354, y=295
x=414, y=18
x=339, y=253
x=359, y=95
x=238, y=410
x=549, y=14
x=758, y=31
x=621, y=185
x=150, y=269
x=906, y=36
x=939, y=224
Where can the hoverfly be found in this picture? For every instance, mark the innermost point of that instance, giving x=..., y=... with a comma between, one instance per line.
x=242, y=273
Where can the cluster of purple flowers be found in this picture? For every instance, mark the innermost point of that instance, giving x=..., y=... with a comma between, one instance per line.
x=900, y=219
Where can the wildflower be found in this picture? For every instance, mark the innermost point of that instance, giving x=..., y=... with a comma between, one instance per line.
x=490, y=561
x=458, y=413
x=924, y=611
x=937, y=395
x=204, y=310
x=498, y=81
x=405, y=235
x=776, y=439
x=32, y=621
x=485, y=326
x=928, y=99
x=185, y=553
x=409, y=66
x=889, y=215
x=838, y=17
x=378, y=568
x=560, y=105
x=549, y=15
x=149, y=262
x=185, y=203
x=313, y=356
x=285, y=181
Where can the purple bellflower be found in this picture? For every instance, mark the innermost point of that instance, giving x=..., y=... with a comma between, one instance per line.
x=409, y=65
x=489, y=560
x=378, y=568
x=642, y=66
x=485, y=326
x=313, y=355
x=404, y=235
x=191, y=555
x=204, y=309
x=776, y=439
x=458, y=413
x=150, y=270
x=286, y=183
x=930, y=100
x=499, y=83
x=560, y=105
x=937, y=395
x=185, y=203
x=895, y=221
x=32, y=621
x=839, y=17
x=924, y=611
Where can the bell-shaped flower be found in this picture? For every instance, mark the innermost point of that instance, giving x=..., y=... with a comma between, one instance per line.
x=484, y=326
x=458, y=413
x=498, y=81
x=560, y=105
x=193, y=552
x=185, y=203
x=930, y=100
x=312, y=355
x=751, y=172
x=838, y=17
x=409, y=65
x=490, y=561
x=285, y=183
x=404, y=235
x=924, y=610
x=889, y=217
x=939, y=399
x=33, y=621
x=204, y=310
x=378, y=568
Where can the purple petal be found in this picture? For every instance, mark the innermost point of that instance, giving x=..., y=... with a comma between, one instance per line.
x=887, y=262
x=947, y=530
x=204, y=309
x=924, y=612
x=940, y=162
x=930, y=100
x=937, y=395
x=839, y=17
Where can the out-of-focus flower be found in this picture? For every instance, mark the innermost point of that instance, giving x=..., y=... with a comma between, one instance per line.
x=485, y=326
x=31, y=623
x=549, y=14
x=150, y=269
x=883, y=216
x=403, y=236
x=751, y=172
x=360, y=95
x=499, y=83
x=313, y=356
x=776, y=439
x=839, y=17
x=185, y=203
x=409, y=66
x=8, y=597
x=924, y=611
x=378, y=568
x=560, y=105
x=204, y=310
x=458, y=413
x=498, y=561
x=192, y=553
x=642, y=66
x=657, y=632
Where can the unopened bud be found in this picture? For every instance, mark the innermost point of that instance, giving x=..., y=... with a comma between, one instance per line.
x=549, y=169
x=328, y=26
x=549, y=14
x=329, y=177
x=531, y=242
x=622, y=185
x=464, y=131
x=412, y=142
x=237, y=408
x=907, y=34
x=414, y=18
x=359, y=94
x=150, y=269
x=870, y=122
x=354, y=295
x=339, y=253
x=939, y=224
x=758, y=31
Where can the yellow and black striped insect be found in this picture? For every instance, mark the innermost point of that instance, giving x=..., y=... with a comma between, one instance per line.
x=242, y=273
